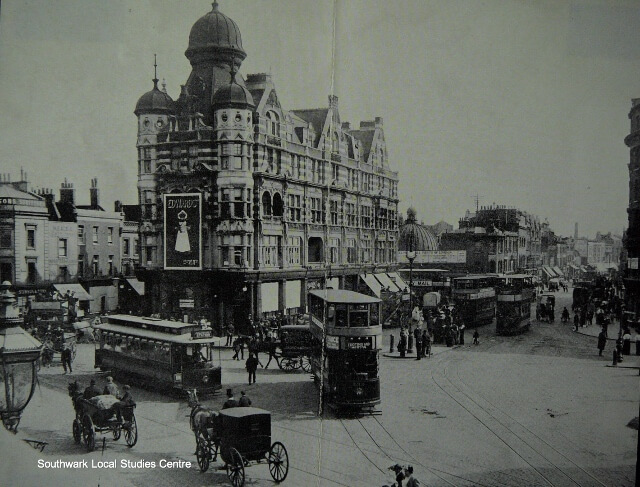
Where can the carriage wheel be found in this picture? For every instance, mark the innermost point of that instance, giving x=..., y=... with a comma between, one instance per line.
x=202, y=455
x=305, y=363
x=131, y=432
x=235, y=468
x=77, y=431
x=117, y=432
x=278, y=462
x=88, y=433
x=288, y=364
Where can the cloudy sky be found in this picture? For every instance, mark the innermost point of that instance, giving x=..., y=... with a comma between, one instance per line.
x=523, y=103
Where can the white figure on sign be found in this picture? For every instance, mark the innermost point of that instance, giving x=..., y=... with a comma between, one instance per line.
x=182, y=238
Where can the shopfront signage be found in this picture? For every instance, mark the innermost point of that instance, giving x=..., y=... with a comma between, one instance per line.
x=183, y=231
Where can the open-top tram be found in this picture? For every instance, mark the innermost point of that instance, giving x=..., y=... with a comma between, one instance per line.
x=515, y=293
x=347, y=342
x=159, y=352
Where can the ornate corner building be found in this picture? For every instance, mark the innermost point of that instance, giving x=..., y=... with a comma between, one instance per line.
x=632, y=274
x=245, y=205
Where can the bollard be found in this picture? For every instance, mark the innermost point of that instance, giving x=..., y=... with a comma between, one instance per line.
x=615, y=357
x=410, y=344
x=391, y=342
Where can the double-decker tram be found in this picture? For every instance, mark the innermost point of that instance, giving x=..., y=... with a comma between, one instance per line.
x=475, y=299
x=514, y=293
x=347, y=335
x=159, y=352
x=429, y=280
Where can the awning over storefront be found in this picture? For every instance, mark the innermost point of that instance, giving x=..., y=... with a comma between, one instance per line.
x=80, y=293
x=387, y=283
x=137, y=286
x=558, y=271
x=372, y=282
x=269, y=294
x=395, y=277
x=605, y=267
x=548, y=272
x=292, y=289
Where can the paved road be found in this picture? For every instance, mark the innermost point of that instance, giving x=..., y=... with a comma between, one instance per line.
x=541, y=409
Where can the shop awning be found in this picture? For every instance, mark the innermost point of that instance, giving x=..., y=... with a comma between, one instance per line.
x=387, y=283
x=558, y=271
x=137, y=286
x=80, y=293
x=548, y=272
x=372, y=282
x=395, y=277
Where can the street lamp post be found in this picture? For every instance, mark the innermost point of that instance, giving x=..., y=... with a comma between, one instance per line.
x=411, y=255
x=19, y=353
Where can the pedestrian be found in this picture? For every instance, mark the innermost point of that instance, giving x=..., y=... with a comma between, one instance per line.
x=411, y=481
x=111, y=388
x=476, y=337
x=626, y=342
x=66, y=358
x=252, y=366
x=271, y=349
x=402, y=344
x=426, y=344
x=576, y=321
x=619, y=348
x=244, y=401
x=230, y=332
x=417, y=335
x=237, y=348
x=461, y=328
x=231, y=401
x=602, y=341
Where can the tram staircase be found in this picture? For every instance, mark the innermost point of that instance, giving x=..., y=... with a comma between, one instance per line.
x=397, y=311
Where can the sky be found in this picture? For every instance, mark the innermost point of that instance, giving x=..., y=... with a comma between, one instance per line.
x=517, y=103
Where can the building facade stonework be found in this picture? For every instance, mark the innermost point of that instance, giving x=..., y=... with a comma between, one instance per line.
x=290, y=199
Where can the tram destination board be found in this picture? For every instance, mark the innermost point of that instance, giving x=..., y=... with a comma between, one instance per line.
x=359, y=343
x=199, y=334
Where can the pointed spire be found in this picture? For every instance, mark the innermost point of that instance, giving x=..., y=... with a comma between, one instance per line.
x=155, y=72
x=215, y=6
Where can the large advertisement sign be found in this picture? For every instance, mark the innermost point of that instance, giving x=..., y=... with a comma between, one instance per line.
x=436, y=257
x=183, y=231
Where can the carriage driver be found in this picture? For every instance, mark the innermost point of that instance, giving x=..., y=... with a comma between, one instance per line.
x=125, y=401
x=92, y=390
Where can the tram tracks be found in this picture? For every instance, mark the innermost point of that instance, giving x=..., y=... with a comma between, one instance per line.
x=547, y=464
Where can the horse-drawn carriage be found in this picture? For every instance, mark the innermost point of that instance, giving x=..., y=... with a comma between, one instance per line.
x=545, y=307
x=240, y=435
x=295, y=347
x=54, y=343
x=99, y=415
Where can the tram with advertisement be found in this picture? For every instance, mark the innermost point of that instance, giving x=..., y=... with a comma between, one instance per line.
x=159, y=352
x=515, y=293
x=347, y=339
x=474, y=297
x=429, y=280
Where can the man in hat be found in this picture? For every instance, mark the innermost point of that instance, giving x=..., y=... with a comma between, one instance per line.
x=92, y=390
x=244, y=400
x=230, y=402
x=411, y=481
x=125, y=401
x=66, y=358
x=111, y=388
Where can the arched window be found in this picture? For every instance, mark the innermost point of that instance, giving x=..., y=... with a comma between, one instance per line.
x=315, y=249
x=273, y=124
x=335, y=143
x=266, y=204
x=278, y=206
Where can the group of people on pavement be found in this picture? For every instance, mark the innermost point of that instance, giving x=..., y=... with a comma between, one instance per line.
x=232, y=402
x=404, y=476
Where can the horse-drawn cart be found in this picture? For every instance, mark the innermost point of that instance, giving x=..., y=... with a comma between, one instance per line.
x=99, y=415
x=240, y=436
x=295, y=347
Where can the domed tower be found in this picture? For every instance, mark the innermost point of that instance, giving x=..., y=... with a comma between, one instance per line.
x=415, y=237
x=232, y=107
x=215, y=49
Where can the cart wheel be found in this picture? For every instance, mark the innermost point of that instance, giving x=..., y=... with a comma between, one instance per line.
x=131, y=432
x=117, y=432
x=305, y=363
x=288, y=364
x=88, y=434
x=202, y=455
x=278, y=462
x=77, y=431
x=235, y=468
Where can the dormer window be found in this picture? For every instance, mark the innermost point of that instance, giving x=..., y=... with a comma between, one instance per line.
x=273, y=124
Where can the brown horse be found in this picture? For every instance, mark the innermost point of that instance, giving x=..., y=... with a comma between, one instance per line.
x=200, y=418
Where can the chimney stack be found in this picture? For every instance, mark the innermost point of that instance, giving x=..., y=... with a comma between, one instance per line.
x=67, y=193
x=94, y=194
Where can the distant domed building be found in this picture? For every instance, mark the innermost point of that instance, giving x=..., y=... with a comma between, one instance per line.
x=414, y=236
x=245, y=205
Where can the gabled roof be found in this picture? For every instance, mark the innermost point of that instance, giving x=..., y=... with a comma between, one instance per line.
x=316, y=117
x=8, y=191
x=366, y=139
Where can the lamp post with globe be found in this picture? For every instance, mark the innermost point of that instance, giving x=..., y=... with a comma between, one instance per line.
x=19, y=353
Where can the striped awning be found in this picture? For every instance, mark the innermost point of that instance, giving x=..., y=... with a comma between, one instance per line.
x=387, y=283
x=373, y=283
